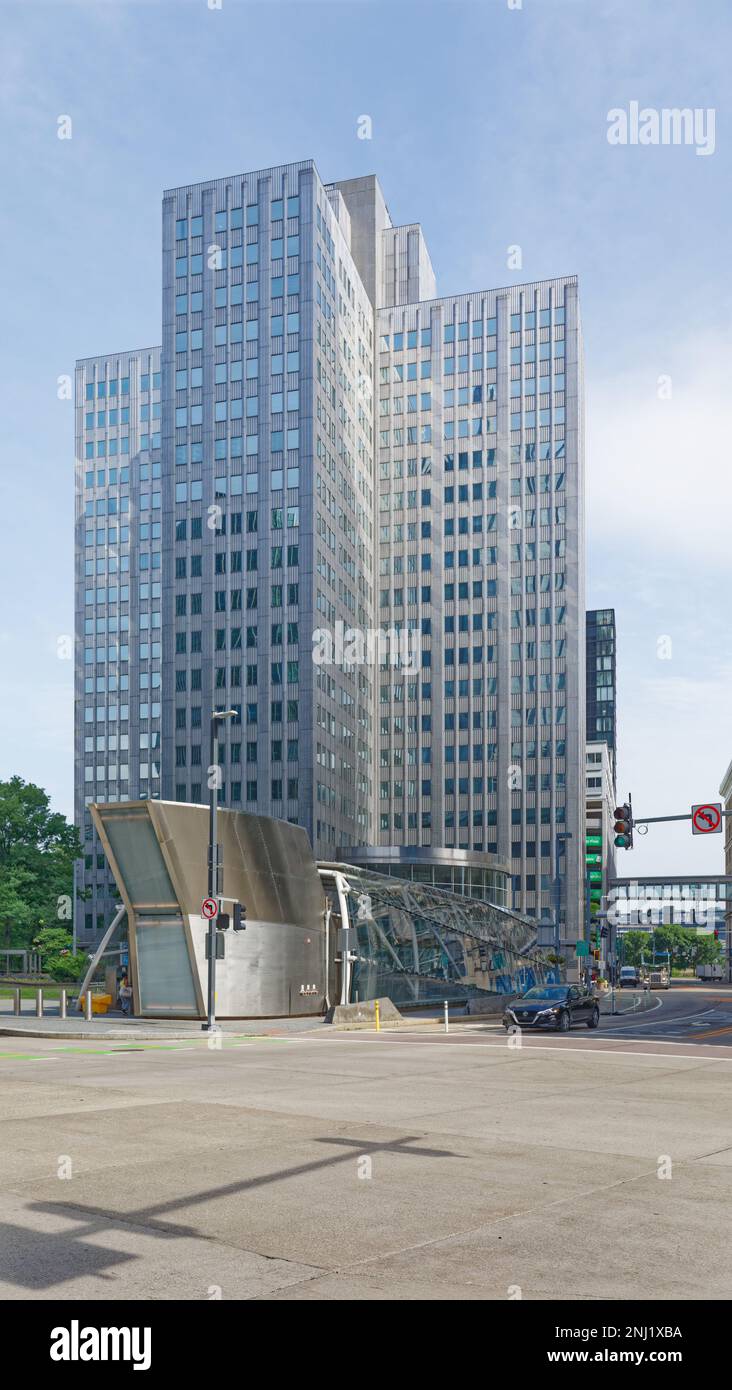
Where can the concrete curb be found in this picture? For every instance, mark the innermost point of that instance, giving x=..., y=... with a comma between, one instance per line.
x=101, y=1037
x=87, y=1035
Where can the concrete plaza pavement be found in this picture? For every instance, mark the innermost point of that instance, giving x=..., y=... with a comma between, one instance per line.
x=325, y=1167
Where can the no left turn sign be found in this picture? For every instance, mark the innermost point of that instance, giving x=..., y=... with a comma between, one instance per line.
x=706, y=819
x=209, y=908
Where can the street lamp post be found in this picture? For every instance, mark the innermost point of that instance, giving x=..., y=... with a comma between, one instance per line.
x=217, y=717
x=560, y=839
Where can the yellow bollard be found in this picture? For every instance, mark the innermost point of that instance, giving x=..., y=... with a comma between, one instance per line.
x=376, y=1015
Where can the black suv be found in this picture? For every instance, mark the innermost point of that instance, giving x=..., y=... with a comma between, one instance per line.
x=553, y=1006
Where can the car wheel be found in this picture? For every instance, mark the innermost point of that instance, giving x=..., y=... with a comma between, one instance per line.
x=563, y=1022
x=595, y=1019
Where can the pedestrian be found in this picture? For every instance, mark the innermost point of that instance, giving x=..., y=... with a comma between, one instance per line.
x=125, y=996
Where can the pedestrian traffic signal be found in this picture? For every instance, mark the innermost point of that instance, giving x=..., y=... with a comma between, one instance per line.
x=623, y=826
x=240, y=917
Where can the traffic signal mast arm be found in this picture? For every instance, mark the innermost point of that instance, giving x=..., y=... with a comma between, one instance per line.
x=706, y=818
x=653, y=820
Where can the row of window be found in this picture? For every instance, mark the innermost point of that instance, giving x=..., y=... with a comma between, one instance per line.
x=479, y=328
x=235, y=218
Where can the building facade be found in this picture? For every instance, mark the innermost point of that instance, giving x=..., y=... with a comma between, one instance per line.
x=480, y=544
x=601, y=681
x=599, y=837
x=118, y=602
x=339, y=450
x=268, y=343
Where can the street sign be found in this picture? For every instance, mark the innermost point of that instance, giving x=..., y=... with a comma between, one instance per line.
x=209, y=908
x=582, y=948
x=706, y=819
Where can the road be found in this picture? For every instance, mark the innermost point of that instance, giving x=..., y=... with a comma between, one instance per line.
x=404, y=1166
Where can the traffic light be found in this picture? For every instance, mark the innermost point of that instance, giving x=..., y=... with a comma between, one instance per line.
x=604, y=932
x=240, y=917
x=623, y=826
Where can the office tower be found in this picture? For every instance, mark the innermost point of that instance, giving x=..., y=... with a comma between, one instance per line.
x=480, y=531
x=342, y=450
x=601, y=656
x=268, y=343
x=118, y=601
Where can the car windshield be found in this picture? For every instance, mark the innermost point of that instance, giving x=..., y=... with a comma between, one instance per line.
x=546, y=992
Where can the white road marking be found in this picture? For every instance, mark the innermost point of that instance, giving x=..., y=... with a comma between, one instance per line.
x=541, y=1047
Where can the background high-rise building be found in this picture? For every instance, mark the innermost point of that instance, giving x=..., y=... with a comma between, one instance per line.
x=480, y=534
x=599, y=842
x=601, y=775
x=601, y=685
x=118, y=601
x=338, y=448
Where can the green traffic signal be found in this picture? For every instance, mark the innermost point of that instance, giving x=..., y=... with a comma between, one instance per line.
x=623, y=826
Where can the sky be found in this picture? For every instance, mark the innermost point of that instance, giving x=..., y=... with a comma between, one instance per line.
x=489, y=125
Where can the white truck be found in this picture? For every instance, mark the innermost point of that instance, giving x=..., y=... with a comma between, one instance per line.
x=633, y=977
x=710, y=972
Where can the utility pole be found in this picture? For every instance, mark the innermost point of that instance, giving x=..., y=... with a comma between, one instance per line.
x=215, y=860
x=558, y=843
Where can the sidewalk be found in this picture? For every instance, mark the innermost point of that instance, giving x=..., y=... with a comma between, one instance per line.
x=114, y=1026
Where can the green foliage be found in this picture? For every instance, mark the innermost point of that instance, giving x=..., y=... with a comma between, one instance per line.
x=69, y=968
x=688, y=949
x=37, y=852
x=632, y=943
x=57, y=959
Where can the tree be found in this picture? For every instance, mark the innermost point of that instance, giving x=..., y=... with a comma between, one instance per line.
x=632, y=945
x=37, y=852
x=686, y=946
x=57, y=958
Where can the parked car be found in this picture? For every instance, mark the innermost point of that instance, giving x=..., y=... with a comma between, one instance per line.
x=553, y=1006
x=633, y=977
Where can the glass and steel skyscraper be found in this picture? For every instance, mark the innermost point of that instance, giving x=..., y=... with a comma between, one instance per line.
x=118, y=600
x=480, y=536
x=268, y=343
x=601, y=680
x=342, y=450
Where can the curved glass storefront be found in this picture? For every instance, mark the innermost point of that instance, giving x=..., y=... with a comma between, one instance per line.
x=464, y=872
